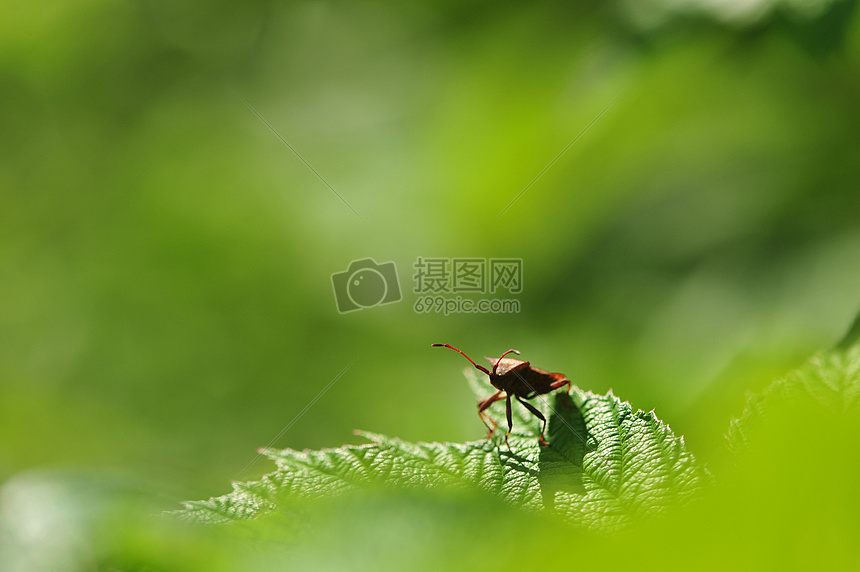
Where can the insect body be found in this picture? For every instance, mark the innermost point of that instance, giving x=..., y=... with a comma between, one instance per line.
x=518, y=379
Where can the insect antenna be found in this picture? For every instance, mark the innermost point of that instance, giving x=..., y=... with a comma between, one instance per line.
x=500, y=359
x=480, y=367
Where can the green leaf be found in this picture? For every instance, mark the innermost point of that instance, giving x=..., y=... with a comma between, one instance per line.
x=606, y=465
x=830, y=379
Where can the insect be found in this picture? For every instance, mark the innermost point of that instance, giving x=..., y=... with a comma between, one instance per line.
x=515, y=378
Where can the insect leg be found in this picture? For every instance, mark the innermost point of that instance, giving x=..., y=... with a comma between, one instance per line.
x=537, y=414
x=561, y=383
x=567, y=403
x=510, y=420
x=483, y=405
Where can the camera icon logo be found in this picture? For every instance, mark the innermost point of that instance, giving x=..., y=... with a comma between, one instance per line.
x=365, y=284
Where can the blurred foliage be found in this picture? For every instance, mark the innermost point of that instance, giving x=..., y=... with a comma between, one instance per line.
x=165, y=261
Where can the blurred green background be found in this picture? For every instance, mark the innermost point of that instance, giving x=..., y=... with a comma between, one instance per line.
x=166, y=304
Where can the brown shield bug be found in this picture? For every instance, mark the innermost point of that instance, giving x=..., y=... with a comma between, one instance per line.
x=515, y=378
